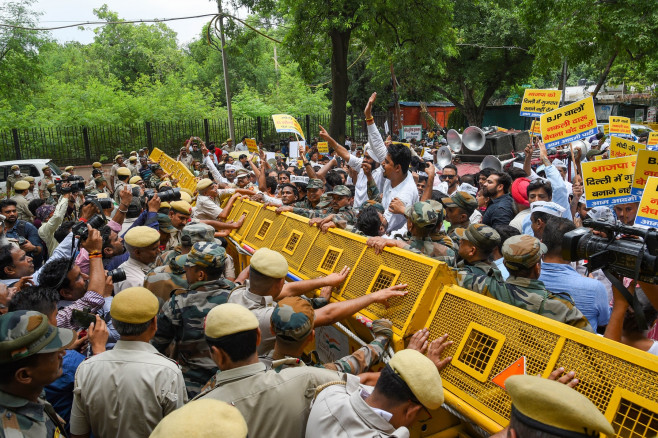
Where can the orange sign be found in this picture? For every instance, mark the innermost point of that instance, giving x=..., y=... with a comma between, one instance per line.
x=516, y=369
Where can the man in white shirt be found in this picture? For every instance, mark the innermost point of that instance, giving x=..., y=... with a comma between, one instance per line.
x=143, y=245
x=242, y=146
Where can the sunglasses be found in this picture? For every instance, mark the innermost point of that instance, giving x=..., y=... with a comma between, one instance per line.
x=445, y=177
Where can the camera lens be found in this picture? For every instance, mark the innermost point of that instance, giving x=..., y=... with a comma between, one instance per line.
x=118, y=275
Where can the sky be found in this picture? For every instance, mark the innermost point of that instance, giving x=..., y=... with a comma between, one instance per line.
x=62, y=12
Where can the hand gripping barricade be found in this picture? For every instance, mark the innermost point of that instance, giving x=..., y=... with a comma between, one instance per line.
x=489, y=336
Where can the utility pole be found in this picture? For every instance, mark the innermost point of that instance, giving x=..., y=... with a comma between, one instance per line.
x=227, y=87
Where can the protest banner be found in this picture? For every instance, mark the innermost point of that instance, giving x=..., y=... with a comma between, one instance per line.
x=293, y=148
x=606, y=129
x=286, y=123
x=653, y=139
x=569, y=123
x=647, y=212
x=645, y=168
x=535, y=128
x=620, y=126
x=608, y=182
x=538, y=102
x=412, y=131
x=323, y=147
x=251, y=145
x=621, y=147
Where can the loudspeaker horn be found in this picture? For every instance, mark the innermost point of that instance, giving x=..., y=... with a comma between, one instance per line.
x=454, y=139
x=491, y=162
x=443, y=157
x=473, y=138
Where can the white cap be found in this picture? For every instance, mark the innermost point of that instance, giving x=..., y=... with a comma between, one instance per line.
x=559, y=163
x=230, y=167
x=595, y=143
x=466, y=187
x=601, y=213
x=582, y=199
x=547, y=207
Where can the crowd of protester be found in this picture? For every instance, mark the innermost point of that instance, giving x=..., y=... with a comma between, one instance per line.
x=124, y=315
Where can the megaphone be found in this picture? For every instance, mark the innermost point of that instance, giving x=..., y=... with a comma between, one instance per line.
x=583, y=146
x=473, y=138
x=491, y=162
x=443, y=157
x=454, y=139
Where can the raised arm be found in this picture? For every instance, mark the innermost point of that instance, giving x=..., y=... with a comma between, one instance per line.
x=334, y=312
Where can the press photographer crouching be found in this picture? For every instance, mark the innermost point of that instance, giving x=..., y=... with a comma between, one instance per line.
x=77, y=290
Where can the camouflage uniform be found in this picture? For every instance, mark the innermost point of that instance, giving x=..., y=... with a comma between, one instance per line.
x=190, y=234
x=464, y=201
x=425, y=215
x=293, y=319
x=373, y=192
x=22, y=417
x=182, y=318
x=313, y=183
x=345, y=214
x=529, y=294
x=485, y=239
x=165, y=279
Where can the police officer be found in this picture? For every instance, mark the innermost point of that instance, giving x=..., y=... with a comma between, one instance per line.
x=21, y=189
x=522, y=258
x=407, y=384
x=14, y=176
x=46, y=181
x=133, y=375
x=475, y=246
x=123, y=175
x=182, y=317
x=551, y=409
x=459, y=208
x=292, y=324
x=214, y=415
x=31, y=354
x=179, y=214
x=142, y=244
x=233, y=334
x=118, y=163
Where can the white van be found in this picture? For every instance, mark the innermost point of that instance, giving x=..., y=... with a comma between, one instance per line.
x=28, y=167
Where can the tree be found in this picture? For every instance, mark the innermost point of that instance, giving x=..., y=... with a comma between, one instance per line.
x=606, y=33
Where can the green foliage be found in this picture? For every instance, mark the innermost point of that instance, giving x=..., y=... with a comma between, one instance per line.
x=457, y=120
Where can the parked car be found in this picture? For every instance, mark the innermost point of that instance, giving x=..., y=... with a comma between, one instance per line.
x=28, y=167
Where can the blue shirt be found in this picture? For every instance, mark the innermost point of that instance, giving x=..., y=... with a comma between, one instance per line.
x=502, y=268
x=500, y=212
x=60, y=392
x=589, y=294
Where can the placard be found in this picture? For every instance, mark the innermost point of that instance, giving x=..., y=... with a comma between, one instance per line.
x=608, y=182
x=299, y=179
x=538, y=102
x=653, y=139
x=286, y=123
x=251, y=145
x=412, y=131
x=620, y=126
x=535, y=128
x=646, y=167
x=323, y=147
x=293, y=148
x=606, y=129
x=569, y=123
x=647, y=212
x=621, y=147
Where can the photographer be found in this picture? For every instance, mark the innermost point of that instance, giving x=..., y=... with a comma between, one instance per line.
x=47, y=229
x=77, y=290
x=25, y=234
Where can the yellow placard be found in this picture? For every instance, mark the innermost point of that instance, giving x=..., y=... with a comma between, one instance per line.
x=647, y=212
x=323, y=147
x=606, y=129
x=621, y=147
x=653, y=139
x=251, y=145
x=620, y=126
x=286, y=123
x=645, y=168
x=538, y=102
x=535, y=128
x=569, y=123
x=598, y=157
x=609, y=181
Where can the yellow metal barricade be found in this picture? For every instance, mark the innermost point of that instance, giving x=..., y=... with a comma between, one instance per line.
x=177, y=169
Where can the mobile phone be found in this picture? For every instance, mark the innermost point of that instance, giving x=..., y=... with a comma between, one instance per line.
x=82, y=318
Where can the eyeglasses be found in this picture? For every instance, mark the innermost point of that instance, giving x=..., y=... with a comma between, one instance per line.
x=445, y=177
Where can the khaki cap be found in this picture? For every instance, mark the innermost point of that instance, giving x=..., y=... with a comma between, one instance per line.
x=21, y=185
x=182, y=207
x=555, y=408
x=269, y=263
x=184, y=196
x=188, y=191
x=213, y=414
x=123, y=171
x=228, y=319
x=135, y=305
x=15, y=167
x=141, y=237
x=97, y=165
x=69, y=168
x=135, y=179
x=522, y=252
x=204, y=184
x=421, y=376
x=29, y=179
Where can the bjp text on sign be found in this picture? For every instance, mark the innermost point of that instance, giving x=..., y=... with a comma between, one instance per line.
x=608, y=182
x=569, y=123
x=538, y=102
x=645, y=168
x=620, y=147
x=653, y=139
x=251, y=145
x=323, y=147
x=286, y=123
x=647, y=212
x=620, y=126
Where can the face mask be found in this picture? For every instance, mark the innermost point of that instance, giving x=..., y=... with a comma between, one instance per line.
x=17, y=172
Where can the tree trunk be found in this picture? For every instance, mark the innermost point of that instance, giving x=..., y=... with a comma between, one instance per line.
x=339, y=83
x=604, y=76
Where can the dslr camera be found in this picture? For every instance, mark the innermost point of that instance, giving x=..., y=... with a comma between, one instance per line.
x=105, y=203
x=77, y=185
x=166, y=195
x=624, y=250
x=80, y=228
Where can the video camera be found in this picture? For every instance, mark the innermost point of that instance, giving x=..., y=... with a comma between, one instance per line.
x=77, y=185
x=624, y=250
x=166, y=195
x=105, y=203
